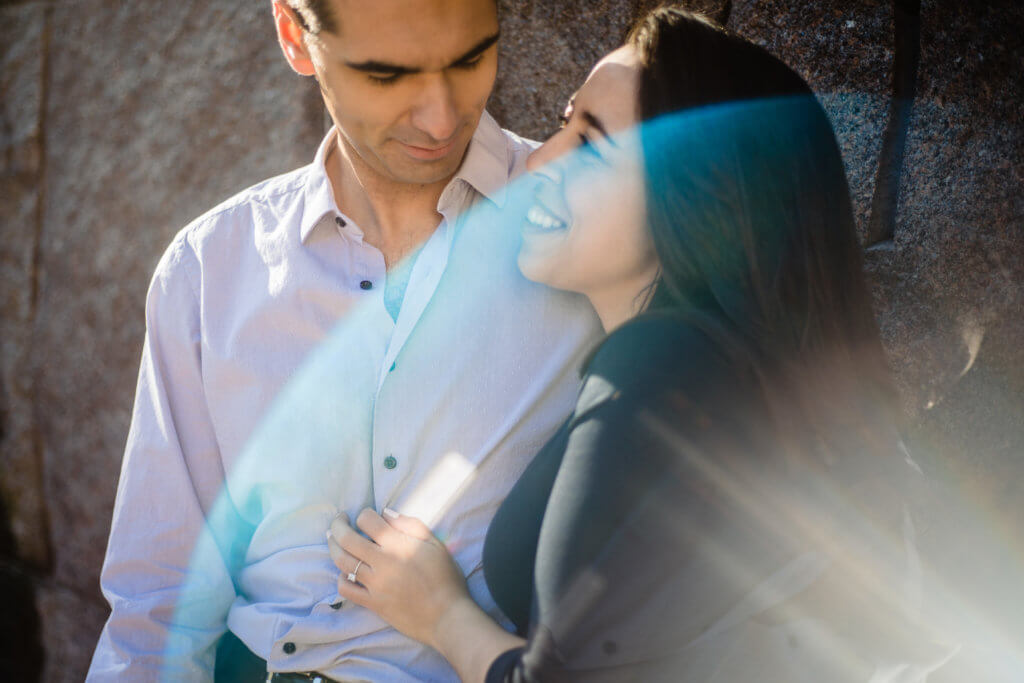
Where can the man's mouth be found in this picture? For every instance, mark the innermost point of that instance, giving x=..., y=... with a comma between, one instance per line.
x=540, y=218
x=428, y=153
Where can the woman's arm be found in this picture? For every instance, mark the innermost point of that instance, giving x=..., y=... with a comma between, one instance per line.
x=471, y=641
x=406, y=576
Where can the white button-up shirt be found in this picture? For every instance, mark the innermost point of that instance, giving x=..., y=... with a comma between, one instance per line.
x=276, y=391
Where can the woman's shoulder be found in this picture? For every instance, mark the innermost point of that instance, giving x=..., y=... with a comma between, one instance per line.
x=657, y=347
x=654, y=354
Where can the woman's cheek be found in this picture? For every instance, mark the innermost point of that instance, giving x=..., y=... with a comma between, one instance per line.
x=543, y=261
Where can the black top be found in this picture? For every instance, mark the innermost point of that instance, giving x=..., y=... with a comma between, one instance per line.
x=658, y=506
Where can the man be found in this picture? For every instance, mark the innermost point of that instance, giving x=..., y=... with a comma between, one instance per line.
x=446, y=374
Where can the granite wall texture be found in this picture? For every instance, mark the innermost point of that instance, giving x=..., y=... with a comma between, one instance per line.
x=119, y=122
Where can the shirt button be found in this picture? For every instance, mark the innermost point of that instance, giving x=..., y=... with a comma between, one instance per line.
x=340, y=221
x=288, y=648
x=390, y=462
x=365, y=284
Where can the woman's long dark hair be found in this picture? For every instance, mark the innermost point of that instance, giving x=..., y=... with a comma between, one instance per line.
x=751, y=218
x=750, y=214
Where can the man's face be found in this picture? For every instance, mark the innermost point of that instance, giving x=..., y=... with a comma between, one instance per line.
x=407, y=80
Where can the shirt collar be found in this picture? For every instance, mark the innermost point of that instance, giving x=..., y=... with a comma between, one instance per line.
x=319, y=199
x=485, y=168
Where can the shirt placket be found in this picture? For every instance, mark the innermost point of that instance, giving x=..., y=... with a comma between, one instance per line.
x=369, y=277
x=391, y=451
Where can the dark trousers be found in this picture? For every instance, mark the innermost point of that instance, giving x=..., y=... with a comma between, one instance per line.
x=236, y=663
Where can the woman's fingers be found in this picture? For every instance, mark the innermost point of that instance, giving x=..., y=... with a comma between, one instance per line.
x=347, y=563
x=395, y=536
x=355, y=571
x=376, y=528
x=408, y=525
x=407, y=577
x=353, y=591
x=350, y=541
x=335, y=550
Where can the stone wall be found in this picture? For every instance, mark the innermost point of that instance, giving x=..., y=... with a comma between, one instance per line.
x=119, y=122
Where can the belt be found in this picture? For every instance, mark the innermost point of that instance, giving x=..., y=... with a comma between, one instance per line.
x=298, y=677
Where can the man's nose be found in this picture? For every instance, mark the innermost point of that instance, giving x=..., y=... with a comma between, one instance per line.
x=434, y=112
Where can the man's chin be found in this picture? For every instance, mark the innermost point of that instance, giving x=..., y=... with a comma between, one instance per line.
x=425, y=172
x=423, y=166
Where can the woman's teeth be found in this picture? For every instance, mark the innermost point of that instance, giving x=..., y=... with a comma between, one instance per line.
x=540, y=218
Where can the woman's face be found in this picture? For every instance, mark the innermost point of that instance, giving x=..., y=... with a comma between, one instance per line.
x=586, y=229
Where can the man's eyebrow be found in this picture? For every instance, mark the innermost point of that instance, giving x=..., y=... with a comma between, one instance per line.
x=378, y=67
x=477, y=49
x=373, y=66
x=596, y=123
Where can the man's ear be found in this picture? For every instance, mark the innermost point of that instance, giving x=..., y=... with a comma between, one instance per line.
x=289, y=36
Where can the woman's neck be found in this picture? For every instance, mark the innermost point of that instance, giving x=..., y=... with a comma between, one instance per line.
x=616, y=306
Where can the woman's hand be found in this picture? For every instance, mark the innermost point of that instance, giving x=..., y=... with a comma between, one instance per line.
x=406, y=575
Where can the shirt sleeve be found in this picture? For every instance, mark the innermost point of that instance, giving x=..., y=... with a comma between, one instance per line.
x=164, y=576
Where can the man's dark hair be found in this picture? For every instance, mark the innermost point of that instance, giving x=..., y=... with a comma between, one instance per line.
x=315, y=15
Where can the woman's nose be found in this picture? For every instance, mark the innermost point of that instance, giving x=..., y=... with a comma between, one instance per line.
x=546, y=153
x=545, y=171
x=547, y=189
x=535, y=161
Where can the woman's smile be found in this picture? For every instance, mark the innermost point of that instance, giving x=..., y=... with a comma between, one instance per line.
x=541, y=219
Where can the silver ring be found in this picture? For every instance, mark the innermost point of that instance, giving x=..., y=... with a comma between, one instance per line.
x=352, y=575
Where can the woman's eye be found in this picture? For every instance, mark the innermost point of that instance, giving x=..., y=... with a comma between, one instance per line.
x=587, y=148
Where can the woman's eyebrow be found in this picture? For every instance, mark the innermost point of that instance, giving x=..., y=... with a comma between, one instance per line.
x=595, y=122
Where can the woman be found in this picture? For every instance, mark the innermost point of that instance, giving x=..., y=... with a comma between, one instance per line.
x=723, y=502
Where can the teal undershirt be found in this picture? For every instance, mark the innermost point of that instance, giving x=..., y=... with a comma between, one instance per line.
x=396, y=282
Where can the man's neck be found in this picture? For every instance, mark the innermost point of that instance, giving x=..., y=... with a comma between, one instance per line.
x=394, y=217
